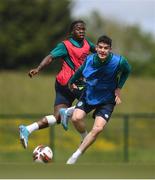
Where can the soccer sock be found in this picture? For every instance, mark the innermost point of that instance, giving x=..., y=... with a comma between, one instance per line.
x=32, y=127
x=83, y=135
x=70, y=111
x=74, y=157
x=51, y=120
x=77, y=153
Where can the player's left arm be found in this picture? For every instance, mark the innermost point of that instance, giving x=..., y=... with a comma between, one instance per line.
x=75, y=77
x=125, y=70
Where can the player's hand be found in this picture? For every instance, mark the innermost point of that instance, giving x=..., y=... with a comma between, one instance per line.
x=33, y=72
x=118, y=96
x=72, y=86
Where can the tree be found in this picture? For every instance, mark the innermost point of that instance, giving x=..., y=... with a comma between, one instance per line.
x=129, y=41
x=29, y=28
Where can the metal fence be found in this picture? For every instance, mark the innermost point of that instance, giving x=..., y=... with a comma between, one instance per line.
x=127, y=128
x=127, y=118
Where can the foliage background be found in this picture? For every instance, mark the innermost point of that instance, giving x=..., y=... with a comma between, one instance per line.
x=28, y=31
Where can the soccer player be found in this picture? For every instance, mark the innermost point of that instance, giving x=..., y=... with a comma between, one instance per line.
x=72, y=51
x=105, y=73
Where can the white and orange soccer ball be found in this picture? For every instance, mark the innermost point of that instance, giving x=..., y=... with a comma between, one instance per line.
x=42, y=154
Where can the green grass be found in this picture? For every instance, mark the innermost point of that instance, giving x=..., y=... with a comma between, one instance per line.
x=20, y=94
x=109, y=146
x=80, y=171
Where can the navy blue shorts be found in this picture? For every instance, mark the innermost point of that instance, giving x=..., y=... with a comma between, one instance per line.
x=64, y=95
x=103, y=110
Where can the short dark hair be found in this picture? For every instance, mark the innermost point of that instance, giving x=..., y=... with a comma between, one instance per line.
x=74, y=23
x=105, y=39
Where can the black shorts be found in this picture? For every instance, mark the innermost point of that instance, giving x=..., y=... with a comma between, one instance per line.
x=103, y=110
x=64, y=95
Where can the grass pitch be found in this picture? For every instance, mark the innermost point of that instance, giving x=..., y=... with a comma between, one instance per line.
x=24, y=95
x=77, y=171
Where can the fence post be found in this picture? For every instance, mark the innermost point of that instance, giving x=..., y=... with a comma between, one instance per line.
x=52, y=139
x=126, y=138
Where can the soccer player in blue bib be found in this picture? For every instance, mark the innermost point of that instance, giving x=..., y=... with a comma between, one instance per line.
x=105, y=74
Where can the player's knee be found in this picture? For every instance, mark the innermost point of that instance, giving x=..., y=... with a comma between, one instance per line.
x=96, y=130
x=76, y=118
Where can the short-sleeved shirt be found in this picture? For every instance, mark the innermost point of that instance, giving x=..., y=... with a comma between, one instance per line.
x=102, y=78
x=61, y=51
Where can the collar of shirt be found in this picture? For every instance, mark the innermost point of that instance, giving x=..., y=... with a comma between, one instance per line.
x=76, y=43
x=97, y=61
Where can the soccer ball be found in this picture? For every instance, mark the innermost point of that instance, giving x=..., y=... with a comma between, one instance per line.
x=42, y=154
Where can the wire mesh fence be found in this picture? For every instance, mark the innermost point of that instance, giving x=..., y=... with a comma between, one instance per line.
x=127, y=138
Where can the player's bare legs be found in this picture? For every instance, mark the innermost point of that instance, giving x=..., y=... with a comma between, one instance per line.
x=78, y=120
x=99, y=124
x=46, y=121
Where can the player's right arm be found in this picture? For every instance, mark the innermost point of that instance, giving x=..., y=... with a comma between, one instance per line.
x=58, y=52
x=46, y=61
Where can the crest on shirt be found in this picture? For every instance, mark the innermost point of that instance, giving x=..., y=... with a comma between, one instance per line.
x=80, y=103
x=106, y=116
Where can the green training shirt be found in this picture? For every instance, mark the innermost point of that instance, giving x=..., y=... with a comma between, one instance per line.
x=123, y=73
x=60, y=50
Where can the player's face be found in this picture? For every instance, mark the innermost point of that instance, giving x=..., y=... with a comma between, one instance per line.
x=79, y=31
x=103, y=50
